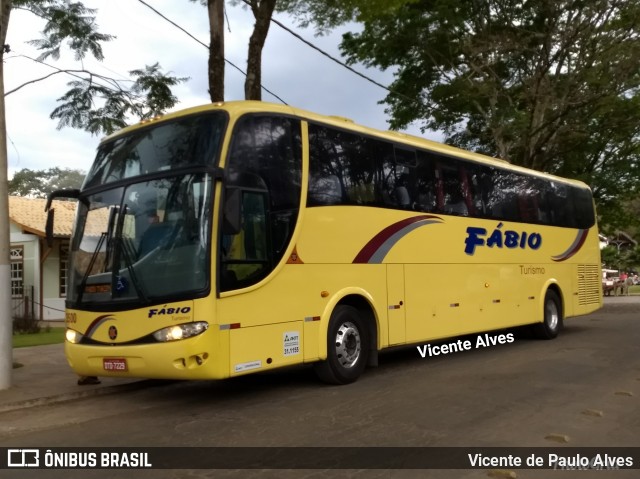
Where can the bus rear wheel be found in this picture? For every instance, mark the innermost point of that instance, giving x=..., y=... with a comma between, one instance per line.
x=347, y=347
x=552, y=321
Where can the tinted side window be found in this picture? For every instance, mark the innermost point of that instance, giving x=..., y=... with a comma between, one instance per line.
x=583, y=203
x=265, y=164
x=346, y=168
x=426, y=194
x=329, y=173
x=561, y=207
x=452, y=188
x=269, y=147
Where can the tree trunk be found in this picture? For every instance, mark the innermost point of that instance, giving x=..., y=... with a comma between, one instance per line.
x=216, y=49
x=262, y=11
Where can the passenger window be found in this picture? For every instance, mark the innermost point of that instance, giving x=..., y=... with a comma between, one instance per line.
x=426, y=197
x=347, y=168
x=406, y=189
x=453, y=198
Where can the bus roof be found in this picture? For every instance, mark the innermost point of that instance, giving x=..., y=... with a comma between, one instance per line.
x=238, y=108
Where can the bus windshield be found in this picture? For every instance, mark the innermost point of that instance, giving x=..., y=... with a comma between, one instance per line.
x=189, y=141
x=147, y=238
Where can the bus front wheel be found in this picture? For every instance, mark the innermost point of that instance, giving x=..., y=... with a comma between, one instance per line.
x=347, y=347
x=552, y=321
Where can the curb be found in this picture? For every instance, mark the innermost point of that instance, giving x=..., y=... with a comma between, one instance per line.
x=86, y=393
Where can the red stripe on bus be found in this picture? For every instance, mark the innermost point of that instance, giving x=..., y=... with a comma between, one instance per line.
x=374, y=243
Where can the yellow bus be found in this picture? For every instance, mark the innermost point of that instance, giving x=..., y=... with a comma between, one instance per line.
x=241, y=237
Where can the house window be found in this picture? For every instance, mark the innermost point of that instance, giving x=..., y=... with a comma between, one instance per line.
x=17, y=272
x=64, y=262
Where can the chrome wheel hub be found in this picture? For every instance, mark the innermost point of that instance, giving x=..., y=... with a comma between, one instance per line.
x=552, y=315
x=348, y=345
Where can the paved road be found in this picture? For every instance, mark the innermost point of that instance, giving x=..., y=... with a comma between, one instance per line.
x=582, y=389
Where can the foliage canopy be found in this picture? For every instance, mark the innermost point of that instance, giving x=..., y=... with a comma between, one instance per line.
x=39, y=183
x=95, y=103
x=551, y=85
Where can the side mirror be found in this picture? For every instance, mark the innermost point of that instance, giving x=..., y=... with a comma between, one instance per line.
x=232, y=213
x=73, y=194
x=48, y=229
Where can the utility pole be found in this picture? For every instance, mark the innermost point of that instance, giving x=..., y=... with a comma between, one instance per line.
x=6, y=329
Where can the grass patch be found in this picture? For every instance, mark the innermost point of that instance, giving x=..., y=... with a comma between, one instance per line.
x=48, y=336
x=635, y=289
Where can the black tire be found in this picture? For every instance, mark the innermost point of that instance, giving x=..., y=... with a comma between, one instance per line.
x=347, y=347
x=552, y=322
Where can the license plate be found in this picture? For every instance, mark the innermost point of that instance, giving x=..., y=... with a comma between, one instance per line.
x=114, y=364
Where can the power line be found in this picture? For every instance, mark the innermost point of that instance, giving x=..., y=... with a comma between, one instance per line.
x=334, y=59
x=182, y=29
x=338, y=61
x=329, y=56
x=207, y=47
x=300, y=38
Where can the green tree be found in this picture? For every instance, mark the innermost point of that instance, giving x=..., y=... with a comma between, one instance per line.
x=551, y=85
x=627, y=259
x=95, y=103
x=325, y=15
x=39, y=183
x=633, y=259
x=610, y=256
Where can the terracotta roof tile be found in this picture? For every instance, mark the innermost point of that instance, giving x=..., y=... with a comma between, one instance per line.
x=30, y=215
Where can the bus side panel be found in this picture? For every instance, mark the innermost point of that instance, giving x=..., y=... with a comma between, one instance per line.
x=450, y=300
x=265, y=347
x=311, y=348
x=396, y=298
x=300, y=294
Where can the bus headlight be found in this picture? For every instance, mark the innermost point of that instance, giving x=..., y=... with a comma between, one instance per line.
x=72, y=336
x=180, y=331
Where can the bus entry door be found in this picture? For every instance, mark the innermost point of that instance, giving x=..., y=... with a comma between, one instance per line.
x=396, y=304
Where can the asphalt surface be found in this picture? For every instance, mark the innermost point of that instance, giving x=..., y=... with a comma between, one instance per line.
x=44, y=377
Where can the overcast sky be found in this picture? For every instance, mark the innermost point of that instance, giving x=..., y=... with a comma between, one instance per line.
x=298, y=74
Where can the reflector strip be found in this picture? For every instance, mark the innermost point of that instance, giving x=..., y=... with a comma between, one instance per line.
x=312, y=318
x=454, y=305
x=496, y=300
x=394, y=306
x=229, y=326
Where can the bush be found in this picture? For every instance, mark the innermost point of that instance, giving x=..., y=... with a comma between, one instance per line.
x=25, y=324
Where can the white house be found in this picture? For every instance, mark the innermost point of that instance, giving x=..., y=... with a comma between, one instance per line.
x=38, y=272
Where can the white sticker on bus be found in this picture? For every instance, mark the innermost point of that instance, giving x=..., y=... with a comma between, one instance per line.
x=238, y=368
x=291, y=342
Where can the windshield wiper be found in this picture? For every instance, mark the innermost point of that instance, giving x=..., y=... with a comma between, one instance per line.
x=104, y=237
x=127, y=255
x=122, y=251
x=85, y=277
